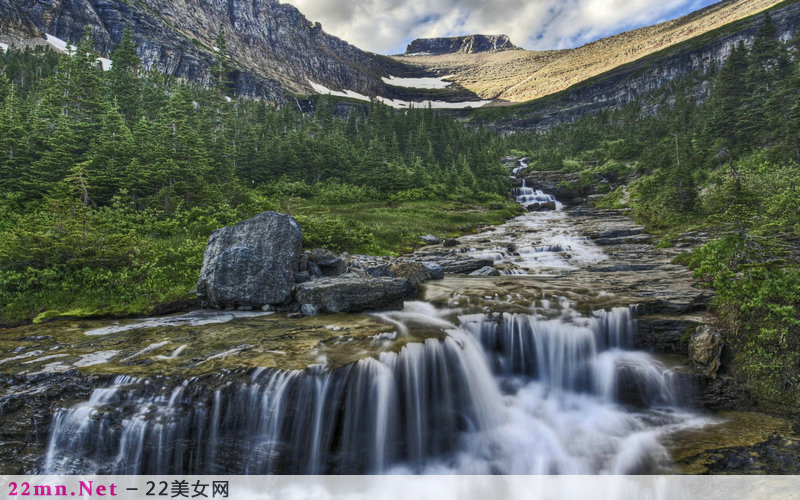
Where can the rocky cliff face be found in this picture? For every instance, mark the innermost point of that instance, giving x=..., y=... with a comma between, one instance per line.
x=470, y=44
x=273, y=47
x=277, y=52
x=632, y=81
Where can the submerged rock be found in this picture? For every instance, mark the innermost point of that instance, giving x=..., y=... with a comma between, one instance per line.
x=353, y=294
x=485, y=271
x=251, y=263
x=309, y=310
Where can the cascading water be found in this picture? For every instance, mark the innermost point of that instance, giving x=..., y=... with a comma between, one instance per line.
x=552, y=391
x=527, y=196
x=405, y=407
x=499, y=394
x=537, y=243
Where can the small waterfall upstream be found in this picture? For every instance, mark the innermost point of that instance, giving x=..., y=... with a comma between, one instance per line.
x=540, y=243
x=553, y=391
x=526, y=196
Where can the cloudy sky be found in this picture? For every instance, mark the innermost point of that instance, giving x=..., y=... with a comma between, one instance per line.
x=387, y=26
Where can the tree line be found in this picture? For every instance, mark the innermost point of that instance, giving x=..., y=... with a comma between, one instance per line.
x=110, y=181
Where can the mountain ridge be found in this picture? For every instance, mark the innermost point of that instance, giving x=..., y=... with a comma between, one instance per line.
x=274, y=48
x=519, y=76
x=277, y=53
x=467, y=44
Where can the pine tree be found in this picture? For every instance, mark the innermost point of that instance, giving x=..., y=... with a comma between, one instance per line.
x=725, y=105
x=111, y=151
x=220, y=70
x=123, y=76
x=13, y=146
x=761, y=77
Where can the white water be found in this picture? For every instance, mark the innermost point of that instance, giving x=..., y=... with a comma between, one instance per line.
x=511, y=394
x=544, y=243
x=551, y=392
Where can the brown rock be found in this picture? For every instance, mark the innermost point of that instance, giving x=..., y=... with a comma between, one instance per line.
x=705, y=350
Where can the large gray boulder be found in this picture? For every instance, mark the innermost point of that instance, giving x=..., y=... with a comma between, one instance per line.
x=353, y=294
x=251, y=263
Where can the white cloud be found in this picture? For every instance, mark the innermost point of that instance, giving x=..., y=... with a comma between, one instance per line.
x=386, y=26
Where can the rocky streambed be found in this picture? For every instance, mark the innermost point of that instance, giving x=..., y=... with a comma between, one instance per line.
x=557, y=342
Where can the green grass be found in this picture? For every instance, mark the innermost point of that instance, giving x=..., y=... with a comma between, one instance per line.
x=161, y=275
x=397, y=226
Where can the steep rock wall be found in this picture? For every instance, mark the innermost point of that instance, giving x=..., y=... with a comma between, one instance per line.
x=273, y=47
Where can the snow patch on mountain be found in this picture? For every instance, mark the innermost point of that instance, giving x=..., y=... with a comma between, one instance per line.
x=417, y=83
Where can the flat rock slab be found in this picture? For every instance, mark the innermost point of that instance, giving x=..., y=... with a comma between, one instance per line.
x=356, y=294
x=251, y=263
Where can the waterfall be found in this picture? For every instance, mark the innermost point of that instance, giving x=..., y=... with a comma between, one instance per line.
x=432, y=406
x=582, y=355
x=526, y=196
x=405, y=407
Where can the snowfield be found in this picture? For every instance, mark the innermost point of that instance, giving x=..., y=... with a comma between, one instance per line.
x=397, y=103
x=417, y=83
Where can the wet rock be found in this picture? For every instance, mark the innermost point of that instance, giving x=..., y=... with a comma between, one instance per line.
x=705, y=350
x=309, y=310
x=323, y=257
x=379, y=271
x=457, y=264
x=485, y=271
x=251, y=263
x=294, y=315
x=724, y=393
x=302, y=263
x=449, y=242
x=27, y=407
x=641, y=239
x=548, y=205
x=435, y=270
x=664, y=334
x=623, y=268
x=314, y=269
x=541, y=207
x=618, y=232
x=345, y=294
x=776, y=455
x=415, y=272
x=431, y=239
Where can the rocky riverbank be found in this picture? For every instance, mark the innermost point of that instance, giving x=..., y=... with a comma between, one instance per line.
x=259, y=264
x=562, y=270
